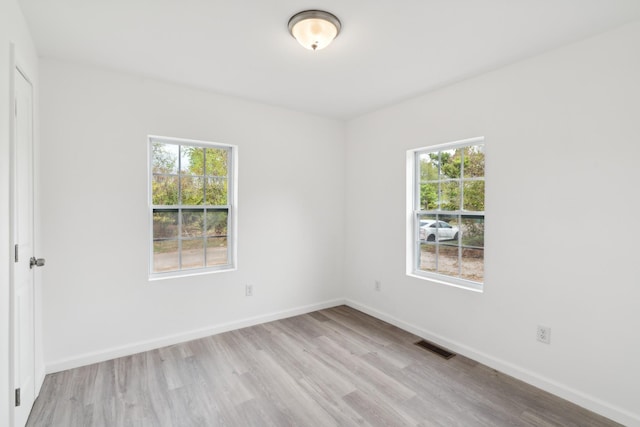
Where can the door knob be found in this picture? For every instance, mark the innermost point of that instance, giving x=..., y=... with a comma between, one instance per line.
x=38, y=262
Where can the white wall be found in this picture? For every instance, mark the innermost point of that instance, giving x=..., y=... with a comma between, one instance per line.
x=561, y=230
x=99, y=303
x=13, y=30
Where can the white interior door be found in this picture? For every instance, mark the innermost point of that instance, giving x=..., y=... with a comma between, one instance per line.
x=23, y=239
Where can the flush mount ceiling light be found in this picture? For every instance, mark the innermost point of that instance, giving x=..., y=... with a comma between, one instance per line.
x=314, y=29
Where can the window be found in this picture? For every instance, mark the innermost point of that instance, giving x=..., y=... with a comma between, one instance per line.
x=192, y=205
x=446, y=225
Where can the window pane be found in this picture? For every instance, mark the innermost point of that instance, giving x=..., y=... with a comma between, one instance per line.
x=473, y=247
x=191, y=160
x=428, y=231
x=450, y=196
x=165, y=224
x=429, y=196
x=450, y=162
x=216, y=191
x=474, y=161
x=448, y=259
x=447, y=228
x=164, y=190
x=473, y=264
x=472, y=231
x=165, y=256
x=193, y=253
x=164, y=158
x=428, y=167
x=217, y=253
x=192, y=188
x=428, y=257
x=474, y=196
x=217, y=223
x=192, y=223
x=216, y=161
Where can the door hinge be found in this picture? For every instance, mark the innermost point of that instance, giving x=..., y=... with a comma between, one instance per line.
x=17, y=397
x=16, y=253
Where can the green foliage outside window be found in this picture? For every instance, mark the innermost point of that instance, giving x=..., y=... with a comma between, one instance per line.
x=202, y=179
x=441, y=176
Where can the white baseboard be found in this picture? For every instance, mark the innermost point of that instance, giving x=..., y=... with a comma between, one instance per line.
x=39, y=380
x=138, y=347
x=589, y=402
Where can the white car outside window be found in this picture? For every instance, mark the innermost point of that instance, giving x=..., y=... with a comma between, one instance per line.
x=430, y=230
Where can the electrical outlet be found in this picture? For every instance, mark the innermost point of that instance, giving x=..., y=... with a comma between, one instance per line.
x=377, y=285
x=248, y=290
x=544, y=334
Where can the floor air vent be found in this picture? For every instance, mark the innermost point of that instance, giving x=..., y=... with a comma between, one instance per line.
x=435, y=349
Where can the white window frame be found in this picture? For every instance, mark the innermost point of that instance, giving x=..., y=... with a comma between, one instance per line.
x=414, y=212
x=232, y=207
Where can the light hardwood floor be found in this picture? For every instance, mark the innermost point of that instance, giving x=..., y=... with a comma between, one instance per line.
x=335, y=367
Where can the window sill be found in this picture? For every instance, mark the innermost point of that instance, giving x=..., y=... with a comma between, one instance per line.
x=189, y=273
x=449, y=281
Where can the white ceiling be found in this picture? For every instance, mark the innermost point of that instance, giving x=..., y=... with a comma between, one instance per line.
x=388, y=50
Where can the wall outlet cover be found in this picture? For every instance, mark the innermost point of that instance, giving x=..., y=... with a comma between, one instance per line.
x=544, y=334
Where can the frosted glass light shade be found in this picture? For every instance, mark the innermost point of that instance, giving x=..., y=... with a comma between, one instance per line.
x=314, y=29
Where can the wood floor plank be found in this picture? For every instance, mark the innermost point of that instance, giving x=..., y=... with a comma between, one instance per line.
x=333, y=367
x=376, y=411
x=332, y=402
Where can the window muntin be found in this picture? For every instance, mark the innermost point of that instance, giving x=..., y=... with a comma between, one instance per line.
x=448, y=213
x=191, y=206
